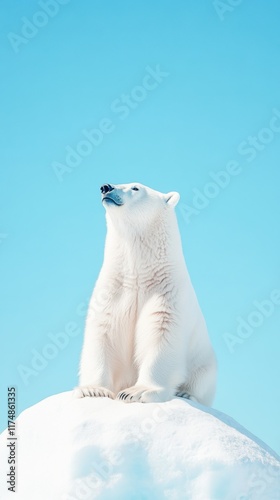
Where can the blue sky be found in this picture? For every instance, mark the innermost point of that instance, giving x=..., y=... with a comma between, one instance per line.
x=173, y=93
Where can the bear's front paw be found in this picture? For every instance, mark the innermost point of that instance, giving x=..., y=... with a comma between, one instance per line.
x=142, y=394
x=93, y=392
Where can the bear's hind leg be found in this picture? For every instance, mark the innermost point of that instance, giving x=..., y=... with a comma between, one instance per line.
x=201, y=386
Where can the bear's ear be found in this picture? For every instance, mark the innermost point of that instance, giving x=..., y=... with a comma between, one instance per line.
x=172, y=198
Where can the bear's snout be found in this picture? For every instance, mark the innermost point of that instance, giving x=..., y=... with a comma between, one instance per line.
x=106, y=188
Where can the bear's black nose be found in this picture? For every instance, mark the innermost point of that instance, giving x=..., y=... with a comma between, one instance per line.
x=106, y=188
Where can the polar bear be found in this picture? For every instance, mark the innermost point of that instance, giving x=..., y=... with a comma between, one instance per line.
x=145, y=338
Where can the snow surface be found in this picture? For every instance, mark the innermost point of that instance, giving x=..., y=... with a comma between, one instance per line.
x=84, y=449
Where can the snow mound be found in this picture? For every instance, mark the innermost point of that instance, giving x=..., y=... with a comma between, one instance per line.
x=84, y=449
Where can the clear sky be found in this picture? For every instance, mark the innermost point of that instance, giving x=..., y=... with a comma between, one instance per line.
x=170, y=94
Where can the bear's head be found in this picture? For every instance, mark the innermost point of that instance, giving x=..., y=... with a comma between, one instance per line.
x=136, y=206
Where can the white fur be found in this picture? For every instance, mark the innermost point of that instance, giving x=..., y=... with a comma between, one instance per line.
x=145, y=339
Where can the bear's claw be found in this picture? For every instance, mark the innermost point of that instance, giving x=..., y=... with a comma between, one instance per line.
x=140, y=394
x=93, y=392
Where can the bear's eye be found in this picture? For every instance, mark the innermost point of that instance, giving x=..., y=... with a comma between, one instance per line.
x=135, y=188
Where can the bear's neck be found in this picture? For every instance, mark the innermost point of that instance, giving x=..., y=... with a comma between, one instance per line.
x=133, y=250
